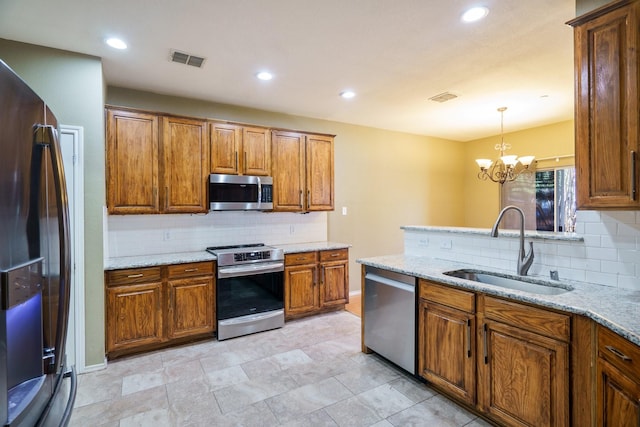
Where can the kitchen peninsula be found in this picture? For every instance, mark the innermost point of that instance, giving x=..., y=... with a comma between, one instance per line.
x=487, y=336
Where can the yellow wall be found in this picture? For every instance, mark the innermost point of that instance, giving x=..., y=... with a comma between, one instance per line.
x=482, y=198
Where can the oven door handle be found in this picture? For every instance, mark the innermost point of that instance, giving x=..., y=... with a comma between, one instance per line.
x=250, y=270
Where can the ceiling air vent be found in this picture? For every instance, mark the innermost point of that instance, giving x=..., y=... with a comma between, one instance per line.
x=443, y=97
x=187, y=59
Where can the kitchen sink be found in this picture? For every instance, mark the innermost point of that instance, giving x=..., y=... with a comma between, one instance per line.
x=525, y=284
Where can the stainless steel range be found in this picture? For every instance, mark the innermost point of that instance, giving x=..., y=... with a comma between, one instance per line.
x=249, y=289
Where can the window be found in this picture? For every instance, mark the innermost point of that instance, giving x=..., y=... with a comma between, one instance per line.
x=547, y=198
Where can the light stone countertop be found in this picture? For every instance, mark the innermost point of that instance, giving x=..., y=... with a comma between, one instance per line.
x=157, y=259
x=614, y=308
x=530, y=234
x=311, y=247
x=119, y=263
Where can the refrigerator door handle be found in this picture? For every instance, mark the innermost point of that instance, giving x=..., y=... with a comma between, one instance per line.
x=46, y=136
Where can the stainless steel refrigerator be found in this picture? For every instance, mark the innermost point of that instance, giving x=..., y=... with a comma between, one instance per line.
x=36, y=388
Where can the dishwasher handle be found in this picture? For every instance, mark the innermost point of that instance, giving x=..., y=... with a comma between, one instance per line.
x=393, y=283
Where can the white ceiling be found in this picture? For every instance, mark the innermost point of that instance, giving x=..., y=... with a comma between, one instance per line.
x=395, y=54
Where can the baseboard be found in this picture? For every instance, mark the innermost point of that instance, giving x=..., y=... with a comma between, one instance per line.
x=93, y=368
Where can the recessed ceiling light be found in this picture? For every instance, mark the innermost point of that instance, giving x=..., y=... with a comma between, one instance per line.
x=475, y=14
x=116, y=43
x=264, y=75
x=347, y=94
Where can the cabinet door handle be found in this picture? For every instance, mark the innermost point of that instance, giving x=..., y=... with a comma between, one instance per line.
x=633, y=175
x=468, y=338
x=308, y=198
x=335, y=255
x=300, y=199
x=618, y=353
x=484, y=339
x=244, y=164
x=237, y=170
x=133, y=276
x=189, y=270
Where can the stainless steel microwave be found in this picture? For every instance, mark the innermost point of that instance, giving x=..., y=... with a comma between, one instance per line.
x=240, y=193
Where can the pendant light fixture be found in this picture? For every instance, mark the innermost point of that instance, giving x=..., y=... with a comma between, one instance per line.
x=508, y=167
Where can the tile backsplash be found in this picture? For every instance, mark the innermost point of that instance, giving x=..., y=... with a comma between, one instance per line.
x=608, y=255
x=131, y=235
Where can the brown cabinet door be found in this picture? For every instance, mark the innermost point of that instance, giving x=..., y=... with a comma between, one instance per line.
x=191, y=306
x=446, y=351
x=334, y=279
x=256, y=151
x=226, y=141
x=132, y=162
x=300, y=289
x=134, y=316
x=618, y=397
x=319, y=167
x=523, y=377
x=606, y=55
x=288, y=167
x=185, y=154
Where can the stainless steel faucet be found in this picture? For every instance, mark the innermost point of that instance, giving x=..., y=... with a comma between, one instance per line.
x=524, y=261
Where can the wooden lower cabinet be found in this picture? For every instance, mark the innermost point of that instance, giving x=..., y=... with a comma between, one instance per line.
x=523, y=364
x=446, y=339
x=508, y=360
x=151, y=307
x=617, y=381
x=315, y=282
x=134, y=316
x=191, y=308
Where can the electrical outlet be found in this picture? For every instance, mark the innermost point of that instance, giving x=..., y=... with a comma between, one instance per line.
x=292, y=229
x=166, y=235
x=344, y=210
x=423, y=242
x=446, y=244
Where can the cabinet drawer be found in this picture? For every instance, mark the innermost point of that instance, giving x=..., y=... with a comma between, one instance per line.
x=455, y=298
x=190, y=269
x=133, y=275
x=300, y=258
x=334, y=255
x=619, y=352
x=538, y=320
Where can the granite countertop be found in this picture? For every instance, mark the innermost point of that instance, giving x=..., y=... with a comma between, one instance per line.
x=311, y=246
x=157, y=259
x=614, y=308
x=119, y=263
x=529, y=234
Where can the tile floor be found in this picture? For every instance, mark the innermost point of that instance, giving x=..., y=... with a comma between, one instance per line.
x=309, y=373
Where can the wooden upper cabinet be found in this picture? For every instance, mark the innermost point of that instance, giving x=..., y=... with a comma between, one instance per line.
x=288, y=165
x=302, y=172
x=132, y=162
x=225, y=142
x=238, y=150
x=606, y=74
x=319, y=173
x=256, y=151
x=185, y=165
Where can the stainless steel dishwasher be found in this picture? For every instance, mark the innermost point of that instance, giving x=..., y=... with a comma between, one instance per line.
x=390, y=316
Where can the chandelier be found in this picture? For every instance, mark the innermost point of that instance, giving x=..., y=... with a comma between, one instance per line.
x=506, y=168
